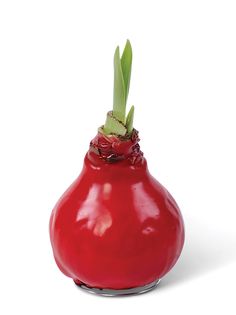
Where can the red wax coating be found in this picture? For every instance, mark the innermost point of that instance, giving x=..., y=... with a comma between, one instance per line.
x=116, y=226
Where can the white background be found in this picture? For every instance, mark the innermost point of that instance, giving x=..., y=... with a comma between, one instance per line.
x=56, y=81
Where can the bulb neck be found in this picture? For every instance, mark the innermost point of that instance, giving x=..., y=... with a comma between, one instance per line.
x=114, y=149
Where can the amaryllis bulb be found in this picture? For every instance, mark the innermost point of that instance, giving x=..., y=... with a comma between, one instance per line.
x=116, y=230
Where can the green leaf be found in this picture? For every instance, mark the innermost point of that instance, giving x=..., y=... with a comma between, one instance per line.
x=130, y=120
x=116, y=122
x=113, y=126
x=119, y=98
x=126, y=64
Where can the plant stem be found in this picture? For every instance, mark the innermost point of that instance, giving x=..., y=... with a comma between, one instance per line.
x=116, y=122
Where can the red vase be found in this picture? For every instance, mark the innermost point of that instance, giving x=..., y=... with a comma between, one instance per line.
x=116, y=230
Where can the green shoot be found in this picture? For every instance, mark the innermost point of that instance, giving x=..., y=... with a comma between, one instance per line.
x=130, y=120
x=116, y=122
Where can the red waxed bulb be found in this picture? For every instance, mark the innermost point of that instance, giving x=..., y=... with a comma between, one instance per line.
x=116, y=230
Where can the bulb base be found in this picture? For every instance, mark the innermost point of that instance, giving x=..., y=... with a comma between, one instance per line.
x=121, y=292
